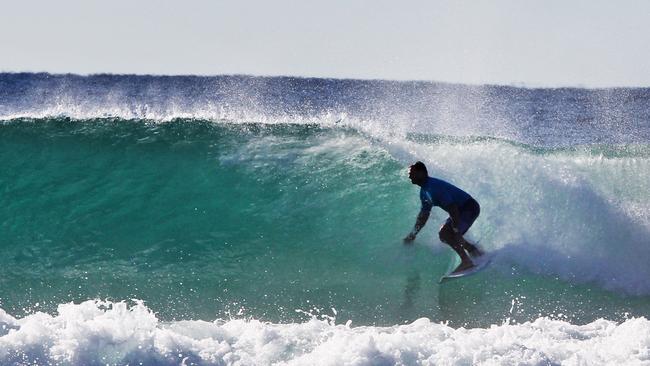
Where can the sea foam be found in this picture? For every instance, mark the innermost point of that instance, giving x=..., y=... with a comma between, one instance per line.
x=104, y=332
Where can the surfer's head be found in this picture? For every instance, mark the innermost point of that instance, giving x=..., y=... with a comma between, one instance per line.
x=418, y=173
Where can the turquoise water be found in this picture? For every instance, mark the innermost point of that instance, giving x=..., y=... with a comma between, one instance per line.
x=209, y=220
x=238, y=220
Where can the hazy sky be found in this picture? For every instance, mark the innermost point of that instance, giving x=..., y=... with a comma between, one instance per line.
x=588, y=43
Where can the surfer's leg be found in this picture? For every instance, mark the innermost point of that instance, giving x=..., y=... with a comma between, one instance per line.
x=468, y=215
x=450, y=238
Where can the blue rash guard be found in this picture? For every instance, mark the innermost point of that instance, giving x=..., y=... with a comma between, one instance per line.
x=437, y=192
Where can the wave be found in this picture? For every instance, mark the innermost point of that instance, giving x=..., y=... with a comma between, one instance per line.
x=115, y=333
x=537, y=116
x=576, y=213
x=562, y=177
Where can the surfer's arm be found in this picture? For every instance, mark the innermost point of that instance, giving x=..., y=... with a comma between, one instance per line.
x=423, y=216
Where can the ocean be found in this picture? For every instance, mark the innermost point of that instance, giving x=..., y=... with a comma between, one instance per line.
x=240, y=220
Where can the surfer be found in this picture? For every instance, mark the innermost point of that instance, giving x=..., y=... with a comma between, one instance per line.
x=461, y=207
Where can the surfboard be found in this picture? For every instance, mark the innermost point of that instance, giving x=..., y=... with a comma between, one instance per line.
x=480, y=263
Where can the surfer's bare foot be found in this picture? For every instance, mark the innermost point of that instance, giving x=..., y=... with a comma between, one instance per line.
x=463, y=266
x=472, y=249
x=475, y=253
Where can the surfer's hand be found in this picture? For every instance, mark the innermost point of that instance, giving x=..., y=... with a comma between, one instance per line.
x=409, y=238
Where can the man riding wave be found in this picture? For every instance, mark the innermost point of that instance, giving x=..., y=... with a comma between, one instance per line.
x=461, y=207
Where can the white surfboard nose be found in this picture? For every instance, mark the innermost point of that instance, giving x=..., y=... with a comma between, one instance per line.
x=479, y=264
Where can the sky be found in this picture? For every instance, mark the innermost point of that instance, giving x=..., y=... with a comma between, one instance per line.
x=516, y=42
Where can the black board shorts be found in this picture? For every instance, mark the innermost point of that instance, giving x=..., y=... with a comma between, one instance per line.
x=469, y=211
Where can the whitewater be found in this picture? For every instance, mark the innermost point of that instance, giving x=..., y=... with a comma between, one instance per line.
x=96, y=332
x=239, y=220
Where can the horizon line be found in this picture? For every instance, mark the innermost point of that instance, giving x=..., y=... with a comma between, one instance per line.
x=515, y=85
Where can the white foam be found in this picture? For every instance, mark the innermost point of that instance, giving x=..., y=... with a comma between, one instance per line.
x=575, y=215
x=102, y=332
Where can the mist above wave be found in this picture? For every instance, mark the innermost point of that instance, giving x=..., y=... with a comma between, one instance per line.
x=541, y=116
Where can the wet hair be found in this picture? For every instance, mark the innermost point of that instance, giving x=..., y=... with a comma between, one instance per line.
x=419, y=166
